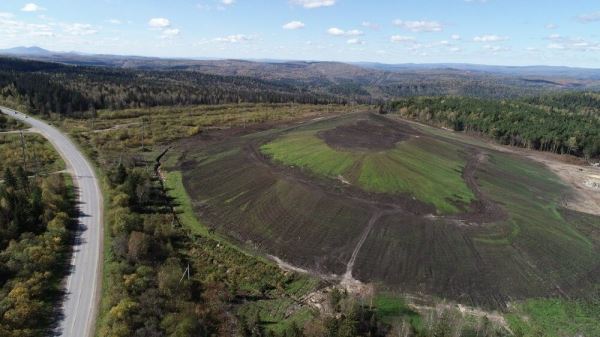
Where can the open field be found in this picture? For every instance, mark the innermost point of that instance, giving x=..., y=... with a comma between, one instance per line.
x=309, y=196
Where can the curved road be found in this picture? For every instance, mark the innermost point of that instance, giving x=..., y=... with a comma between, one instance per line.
x=83, y=283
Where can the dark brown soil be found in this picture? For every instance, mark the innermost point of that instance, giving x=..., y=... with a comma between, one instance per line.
x=482, y=210
x=329, y=227
x=368, y=134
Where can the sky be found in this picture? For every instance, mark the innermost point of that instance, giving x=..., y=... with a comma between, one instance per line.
x=501, y=32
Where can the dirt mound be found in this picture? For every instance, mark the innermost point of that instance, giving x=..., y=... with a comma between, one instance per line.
x=366, y=134
x=504, y=246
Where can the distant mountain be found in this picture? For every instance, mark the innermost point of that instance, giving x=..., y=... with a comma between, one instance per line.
x=543, y=71
x=358, y=81
x=26, y=51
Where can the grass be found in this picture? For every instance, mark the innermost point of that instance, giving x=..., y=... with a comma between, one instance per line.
x=427, y=170
x=532, y=195
x=115, y=133
x=555, y=318
x=274, y=315
x=176, y=190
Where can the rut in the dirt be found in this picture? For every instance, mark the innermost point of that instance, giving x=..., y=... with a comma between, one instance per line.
x=363, y=238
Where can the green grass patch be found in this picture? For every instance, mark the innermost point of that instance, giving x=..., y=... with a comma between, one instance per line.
x=392, y=308
x=184, y=209
x=555, y=318
x=429, y=170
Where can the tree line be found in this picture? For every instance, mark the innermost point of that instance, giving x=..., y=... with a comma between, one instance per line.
x=554, y=123
x=74, y=90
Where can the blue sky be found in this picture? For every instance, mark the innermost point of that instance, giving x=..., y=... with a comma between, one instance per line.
x=507, y=32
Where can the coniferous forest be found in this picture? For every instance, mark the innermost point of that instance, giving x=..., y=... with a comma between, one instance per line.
x=565, y=124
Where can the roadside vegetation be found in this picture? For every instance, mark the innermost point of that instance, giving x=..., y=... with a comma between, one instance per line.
x=32, y=152
x=36, y=233
x=149, y=290
x=9, y=124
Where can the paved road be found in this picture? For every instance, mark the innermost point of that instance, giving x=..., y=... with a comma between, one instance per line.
x=83, y=283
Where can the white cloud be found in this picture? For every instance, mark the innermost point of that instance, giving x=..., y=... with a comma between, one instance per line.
x=170, y=33
x=556, y=46
x=159, y=23
x=495, y=48
x=590, y=17
x=31, y=7
x=309, y=4
x=354, y=32
x=335, y=31
x=455, y=37
x=551, y=26
x=227, y=2
x=370, y=25
x=79, y=29
x=490, y=38
x=11, y=29
x=420, y=26
x=236, y=38
x=402, y=39
x=5, y=15
x=293, y=25
x=114, y=21
x=340, y=32
x=559, y=42
x=355, y=41
x=554, y=37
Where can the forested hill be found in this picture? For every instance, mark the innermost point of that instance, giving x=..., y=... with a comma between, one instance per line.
x=85, y=82
x=550, y=121
x=69, y=90
x=566, y=124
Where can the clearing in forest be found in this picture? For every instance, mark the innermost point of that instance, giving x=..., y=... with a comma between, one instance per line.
x=409, y=207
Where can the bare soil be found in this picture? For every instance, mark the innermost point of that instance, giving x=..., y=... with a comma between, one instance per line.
x=368, y=134
x=338, y=231
x=575, y=172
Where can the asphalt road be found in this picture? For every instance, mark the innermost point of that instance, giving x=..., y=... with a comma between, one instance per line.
x=83, y=283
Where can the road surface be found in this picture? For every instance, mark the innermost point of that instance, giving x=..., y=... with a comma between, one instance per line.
x=83, y=283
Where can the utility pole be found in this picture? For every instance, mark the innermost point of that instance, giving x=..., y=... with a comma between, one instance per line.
x=185, y=272
x=143, y=131
x=23, y=148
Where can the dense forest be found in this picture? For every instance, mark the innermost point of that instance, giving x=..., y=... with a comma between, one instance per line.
x=72, y=90
x=565, y=124
x=35, y=237
x=78, y=90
